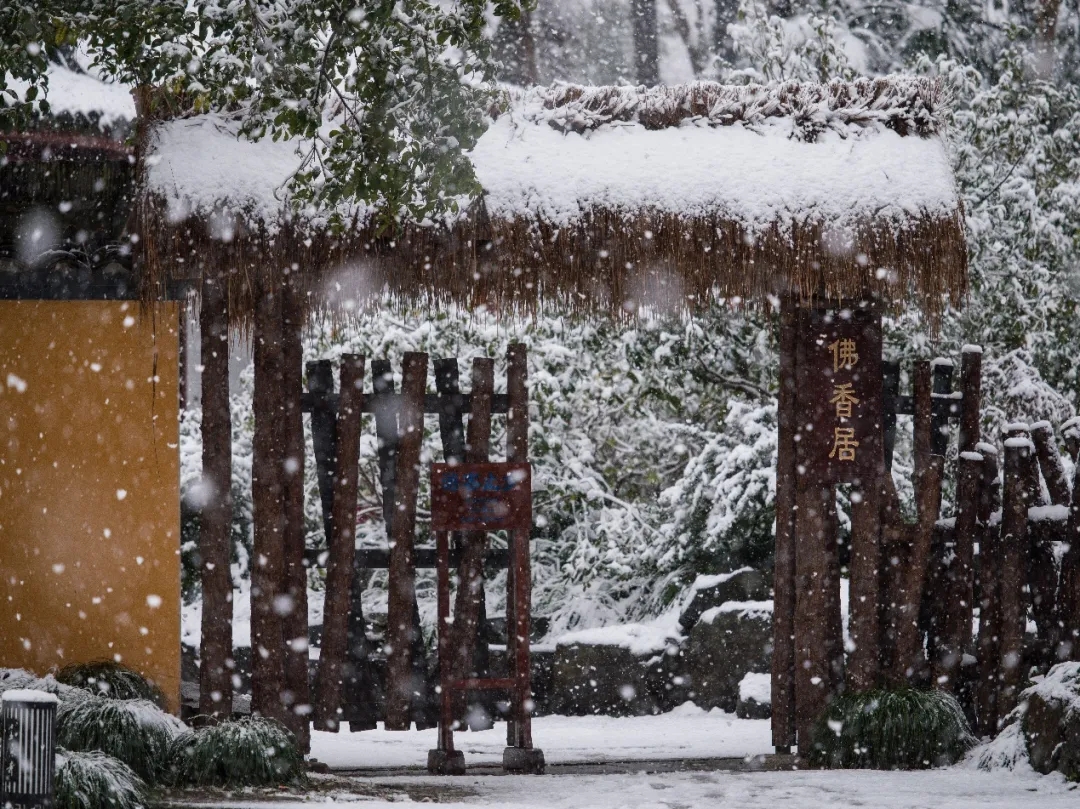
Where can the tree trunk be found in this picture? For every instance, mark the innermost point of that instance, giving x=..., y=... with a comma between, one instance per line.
x=268, y=513
x=215, y=518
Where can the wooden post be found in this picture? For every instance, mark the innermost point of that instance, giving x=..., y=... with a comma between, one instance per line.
x=1068, y=604
x=1014, y=536
x=320, y=379
x=783, y=660
x=517, y=451
x=989, y=594
x=1053, y=470
x=1042, y=577
x=1070, y=437
x=929, y=469
x=341, y=546
x=215, y=517
x=520, y=754
x=971, y=391
x=955, y=637
x=471, y=566
x=295, y=619
x=401, y=603
x=268, y=515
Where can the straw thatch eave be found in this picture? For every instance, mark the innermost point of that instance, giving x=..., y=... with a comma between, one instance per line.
x=608, y=258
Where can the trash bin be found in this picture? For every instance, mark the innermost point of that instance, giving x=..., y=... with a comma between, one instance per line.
x=28, y=754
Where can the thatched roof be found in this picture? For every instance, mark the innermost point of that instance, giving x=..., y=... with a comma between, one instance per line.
x=609, y=198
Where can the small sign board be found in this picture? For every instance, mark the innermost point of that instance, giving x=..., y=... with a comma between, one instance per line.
x=839, y=428
x=481, y=497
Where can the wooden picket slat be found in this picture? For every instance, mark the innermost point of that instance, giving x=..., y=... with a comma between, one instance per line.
x=401, y=606
x=339, y=568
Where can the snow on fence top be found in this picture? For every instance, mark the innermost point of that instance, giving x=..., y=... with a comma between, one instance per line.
x=618, y=197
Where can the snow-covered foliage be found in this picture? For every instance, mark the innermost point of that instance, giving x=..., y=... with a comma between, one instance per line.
x=21, y=679
x=237, y=753
x=136, y=731
x=901, y=729
x=105, y=678
x=94, y=780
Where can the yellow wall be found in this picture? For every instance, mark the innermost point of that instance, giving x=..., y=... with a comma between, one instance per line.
x=89, y=487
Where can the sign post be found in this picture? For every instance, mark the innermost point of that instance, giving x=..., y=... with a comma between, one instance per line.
x=486, y=497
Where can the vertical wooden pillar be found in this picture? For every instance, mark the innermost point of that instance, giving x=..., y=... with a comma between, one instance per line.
x=1068, y=605
x=341, y=545
x=955, y=636
x=401, y=687
x=783, y=660
x=971, y=391
x=519, y=590
x=989, y=594
x=929, y=468
x=1014, y=535
x=295, y=618
x=215, y=519
x=1053, y=470
x=812, y=665
x=471, y=566
x=864, y=663
x=268, y=516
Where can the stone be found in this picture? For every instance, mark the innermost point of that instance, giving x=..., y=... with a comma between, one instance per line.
x=524, y=760
x=1051, y=721
x=725, y=644
x=755, y=696
x=745, y=584
x=606, y=670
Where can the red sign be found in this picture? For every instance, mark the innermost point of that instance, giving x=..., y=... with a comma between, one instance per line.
x=839, y=431
x=481, y=497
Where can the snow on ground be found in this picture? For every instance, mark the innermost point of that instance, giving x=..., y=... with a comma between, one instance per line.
x=686, y=732
x=954, y=788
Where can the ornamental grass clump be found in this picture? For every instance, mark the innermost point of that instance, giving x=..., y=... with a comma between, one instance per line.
x=94, y=780
x=104, y=678
x=136, y=731
x=252, y=751
x=903, y=729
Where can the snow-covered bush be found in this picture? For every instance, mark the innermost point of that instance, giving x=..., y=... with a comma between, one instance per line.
x=137, y=732
x=94, y=780
x=905, y=729
x=243, y=752
x=105, y=678
x=11, y=679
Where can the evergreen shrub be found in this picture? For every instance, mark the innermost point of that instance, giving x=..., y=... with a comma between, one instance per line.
x=104, y=678
x=136, y=732
x=94, y=780
x=252, y=751
x=902, y=729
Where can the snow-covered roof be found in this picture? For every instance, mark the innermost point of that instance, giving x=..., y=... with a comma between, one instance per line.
x=753, y=155
x=617, y=196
